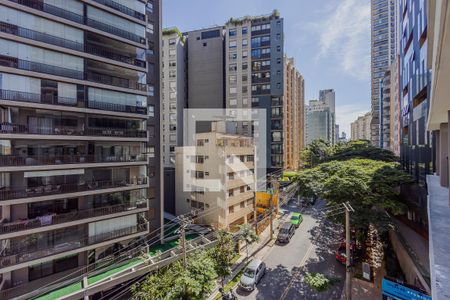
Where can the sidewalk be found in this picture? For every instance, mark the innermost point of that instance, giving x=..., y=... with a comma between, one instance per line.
x=257, y=250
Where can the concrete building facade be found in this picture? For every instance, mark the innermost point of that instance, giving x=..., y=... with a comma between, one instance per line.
x=438, y=60
x=293, y=115
x=360, y=128
x=79, y=134
x=383, y=52
x=229, y=159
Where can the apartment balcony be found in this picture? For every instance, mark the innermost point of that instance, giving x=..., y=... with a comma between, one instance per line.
x=77, y=215
x=11, y=193
x=26, y=253
x=65, y=43
x=11, y=128
x=240, y=197
x=123, y=9
x=72, y=102
x=233, y=217
x=240, y=181
x=13, y=62
x=260, y=32
x=68, y=15
x=46, y=160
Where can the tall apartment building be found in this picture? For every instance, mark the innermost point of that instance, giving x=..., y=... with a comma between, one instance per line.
x=318, y=120
x=360, y=128
x=438, y=34
x=395, y=107
x=385, y=110
x=329, y=98
x=415, y=152
x=383, y=52
x=79, y=140
x=174, y=100
x=228, y=159
x=254, y=75
x=293, y=115
x=205, y=61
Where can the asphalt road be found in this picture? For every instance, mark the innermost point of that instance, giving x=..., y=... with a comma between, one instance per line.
x=311, y=249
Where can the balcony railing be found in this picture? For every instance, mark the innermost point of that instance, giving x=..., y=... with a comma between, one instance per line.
x=69, y=44
x=53, y=219
x=38, y=98
x=24, y=253
x=65, y=101
x=117, y=107
x=13, y=62
x=122, y=8
x=52, y=189
x=65, y=14
x=38, y=160
x=9, y=128
x=116, y=81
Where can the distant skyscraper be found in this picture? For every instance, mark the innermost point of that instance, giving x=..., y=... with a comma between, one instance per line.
x=329, y=97
x=383, y=51
x=318, y=122
x=360, y=128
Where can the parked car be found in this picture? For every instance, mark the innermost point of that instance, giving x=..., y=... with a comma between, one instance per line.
x=341, y=255
x=296, y=219
x=286, y=232
x=252, y=275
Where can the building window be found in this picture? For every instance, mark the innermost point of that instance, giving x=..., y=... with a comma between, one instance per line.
x=172, y=52
x=151, y=110
x=231, y=209
x=244, y=66
x=172, y=41
x=233, y=102
x=232, y=67
x=210, y=34
x=232, y=32
x=151, y=90
x=244, y=89
x=244, y=42
x=151, y=151
x=232, y=55
x=276, y=136
x=233, y=90
x=244, y=54
x=233, y=79
x=150, y=28
x=172, y=63
x=232, y=44
x=278, y=37
x=149, y=7
x=244, y=101
x=244, y=30
x=244, y=77
x=205, y=44
x=255, y=100
x=242, y=204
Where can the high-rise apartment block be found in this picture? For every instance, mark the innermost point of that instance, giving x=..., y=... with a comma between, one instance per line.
x=173, y=101
x=224, y=158
x=240, y=65
x=318, y=122
x=329, y=98
x=293, y=115
x=360, y=128
x=383, y=51
x=385, y=110
x=79, y=133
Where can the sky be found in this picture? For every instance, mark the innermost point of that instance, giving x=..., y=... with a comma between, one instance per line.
x=329, y=40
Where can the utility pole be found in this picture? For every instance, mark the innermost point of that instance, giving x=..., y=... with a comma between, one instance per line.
x=185, y=221
x=348, y=274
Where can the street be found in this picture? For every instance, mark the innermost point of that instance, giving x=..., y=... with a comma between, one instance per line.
x=311, y=249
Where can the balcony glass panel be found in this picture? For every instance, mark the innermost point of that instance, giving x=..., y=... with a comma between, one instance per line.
x=50, y=243
x=129, y=7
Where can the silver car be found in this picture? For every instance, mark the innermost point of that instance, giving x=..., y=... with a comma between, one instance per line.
x=252, y=275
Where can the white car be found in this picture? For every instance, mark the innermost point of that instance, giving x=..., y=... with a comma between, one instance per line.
x=252, y=275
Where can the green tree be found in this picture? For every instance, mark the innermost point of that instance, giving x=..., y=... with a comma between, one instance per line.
x=359, y=149
x=371, y=187
x=223, y=254
x=177, y=282
x=248, y=235
x=316, y=152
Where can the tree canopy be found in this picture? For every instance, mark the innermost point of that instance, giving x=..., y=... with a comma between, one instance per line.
x=371, y=186
x=177, y=282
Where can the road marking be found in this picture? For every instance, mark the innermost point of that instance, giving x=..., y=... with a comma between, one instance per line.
x=302, y=262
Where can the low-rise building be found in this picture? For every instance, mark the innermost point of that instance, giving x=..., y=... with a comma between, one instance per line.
x=220, y=171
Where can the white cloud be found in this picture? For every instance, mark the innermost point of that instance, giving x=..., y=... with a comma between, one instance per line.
x=345, y=34
x=346, y=114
